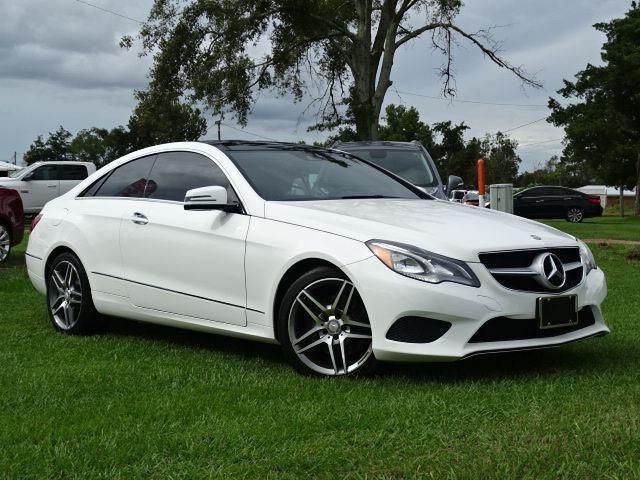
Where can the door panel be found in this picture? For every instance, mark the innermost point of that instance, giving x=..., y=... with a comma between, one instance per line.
x=43, y=186
x=185, y=262
x=99, y=220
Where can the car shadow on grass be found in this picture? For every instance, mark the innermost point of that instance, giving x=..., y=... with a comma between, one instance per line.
x=593, y=356
x=596, y=358
x=246, y=349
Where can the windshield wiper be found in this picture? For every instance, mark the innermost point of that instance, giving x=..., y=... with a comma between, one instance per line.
x=354, y=197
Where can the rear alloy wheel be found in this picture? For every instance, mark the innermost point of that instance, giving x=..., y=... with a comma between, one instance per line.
x=575, y=215
x=69, y=299
x=5, y=243
x=324, y=327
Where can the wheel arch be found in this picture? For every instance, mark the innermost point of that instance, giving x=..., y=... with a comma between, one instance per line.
x=291, y=275
x=54, y=253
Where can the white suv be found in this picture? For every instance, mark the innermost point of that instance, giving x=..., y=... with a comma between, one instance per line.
x=44, y=181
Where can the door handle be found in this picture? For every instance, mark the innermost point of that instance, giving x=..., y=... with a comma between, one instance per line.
x=139, y=219
x=52, y=186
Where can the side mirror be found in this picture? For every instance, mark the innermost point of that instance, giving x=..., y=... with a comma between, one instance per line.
x=27, y=177
x=453, y=183
x=209, y=198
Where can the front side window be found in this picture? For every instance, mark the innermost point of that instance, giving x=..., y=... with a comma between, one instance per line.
x=410, y=165
x=45, y=172
x=290, y=173
x=73, y=172
x=128, y=180
x=175, y=173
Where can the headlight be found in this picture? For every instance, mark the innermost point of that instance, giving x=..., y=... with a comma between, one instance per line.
x=422, y=265
x=586, y=257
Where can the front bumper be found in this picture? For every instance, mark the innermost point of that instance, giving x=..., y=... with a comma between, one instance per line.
x=389, y=296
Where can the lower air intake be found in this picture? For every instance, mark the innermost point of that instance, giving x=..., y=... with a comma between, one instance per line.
x=417, y=330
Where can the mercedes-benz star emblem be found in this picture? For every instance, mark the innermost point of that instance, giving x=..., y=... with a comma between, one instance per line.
x=550, y=271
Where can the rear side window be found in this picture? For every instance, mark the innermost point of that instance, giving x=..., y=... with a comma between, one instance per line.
x=537, y=192
x=73, y=172
x=174, y=173
x=45, y=172
x=128, y=180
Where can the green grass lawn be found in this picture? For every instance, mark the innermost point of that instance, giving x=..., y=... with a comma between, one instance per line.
x=614, y=228
x=143, y=401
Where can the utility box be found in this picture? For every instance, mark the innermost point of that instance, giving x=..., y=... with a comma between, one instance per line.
x=502, y=197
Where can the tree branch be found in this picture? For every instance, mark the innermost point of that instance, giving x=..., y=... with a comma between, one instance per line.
x=476, y=38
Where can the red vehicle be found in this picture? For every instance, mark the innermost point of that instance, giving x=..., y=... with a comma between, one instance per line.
x=11, y=221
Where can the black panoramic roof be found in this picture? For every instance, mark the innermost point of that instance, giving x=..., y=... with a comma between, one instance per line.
x=259, y=145
x=377, y=144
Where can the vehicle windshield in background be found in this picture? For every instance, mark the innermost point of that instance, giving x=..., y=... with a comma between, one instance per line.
x=411, y=165
x=306, y=174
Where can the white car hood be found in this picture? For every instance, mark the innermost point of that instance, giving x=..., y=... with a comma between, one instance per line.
x=451, y=229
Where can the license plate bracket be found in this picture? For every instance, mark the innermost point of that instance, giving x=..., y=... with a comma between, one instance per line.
x=556, y=312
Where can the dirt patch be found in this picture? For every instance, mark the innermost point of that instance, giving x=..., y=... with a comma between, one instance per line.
x=602, y=242
x=633, y=254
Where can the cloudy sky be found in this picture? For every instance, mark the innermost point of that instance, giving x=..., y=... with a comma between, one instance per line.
x=60, y=64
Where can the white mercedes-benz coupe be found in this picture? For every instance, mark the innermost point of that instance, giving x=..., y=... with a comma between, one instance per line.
x=332, y=257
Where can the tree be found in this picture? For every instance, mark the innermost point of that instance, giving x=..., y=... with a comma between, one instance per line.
x=211, y=50
x=403, y=124
x=160, y=117
x=501, y=159
x=450, y=153
x=58, y=144
x=557, y=171
x=37, y=152
x=602, y=127
x=99, y=145
x=55, y=148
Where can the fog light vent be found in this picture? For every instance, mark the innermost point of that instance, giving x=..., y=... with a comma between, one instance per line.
x=417, y=330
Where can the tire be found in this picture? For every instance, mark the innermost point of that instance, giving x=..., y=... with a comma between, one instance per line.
x=5, y=243
x=574, y=215
x=323, y=326
x=69, y=302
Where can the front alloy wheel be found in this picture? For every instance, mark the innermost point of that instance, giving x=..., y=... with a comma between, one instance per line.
x=327, y=327
x=575, y=215
x=5, y=243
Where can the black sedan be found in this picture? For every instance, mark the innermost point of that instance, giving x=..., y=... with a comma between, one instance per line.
x=556, y=202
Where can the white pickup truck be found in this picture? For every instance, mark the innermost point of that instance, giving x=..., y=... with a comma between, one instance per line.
x=44, y=181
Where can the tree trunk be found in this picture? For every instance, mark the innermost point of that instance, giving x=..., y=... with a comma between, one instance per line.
x=621, y=201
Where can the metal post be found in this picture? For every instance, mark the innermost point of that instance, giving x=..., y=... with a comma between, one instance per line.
x=218, y=122
x=481, y=183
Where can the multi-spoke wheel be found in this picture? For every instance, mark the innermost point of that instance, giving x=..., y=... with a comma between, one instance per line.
x=324, y=327
x=575, y=215
x=5, y=243
x=69, y=297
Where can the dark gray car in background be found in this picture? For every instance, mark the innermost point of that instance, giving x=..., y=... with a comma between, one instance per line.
x=409, y=160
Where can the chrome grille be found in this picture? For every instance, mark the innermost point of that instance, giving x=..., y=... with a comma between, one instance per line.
x=528, y=270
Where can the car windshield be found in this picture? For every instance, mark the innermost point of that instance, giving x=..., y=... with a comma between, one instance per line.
x=412, y=165
x=290, y=173
x=15, y=173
